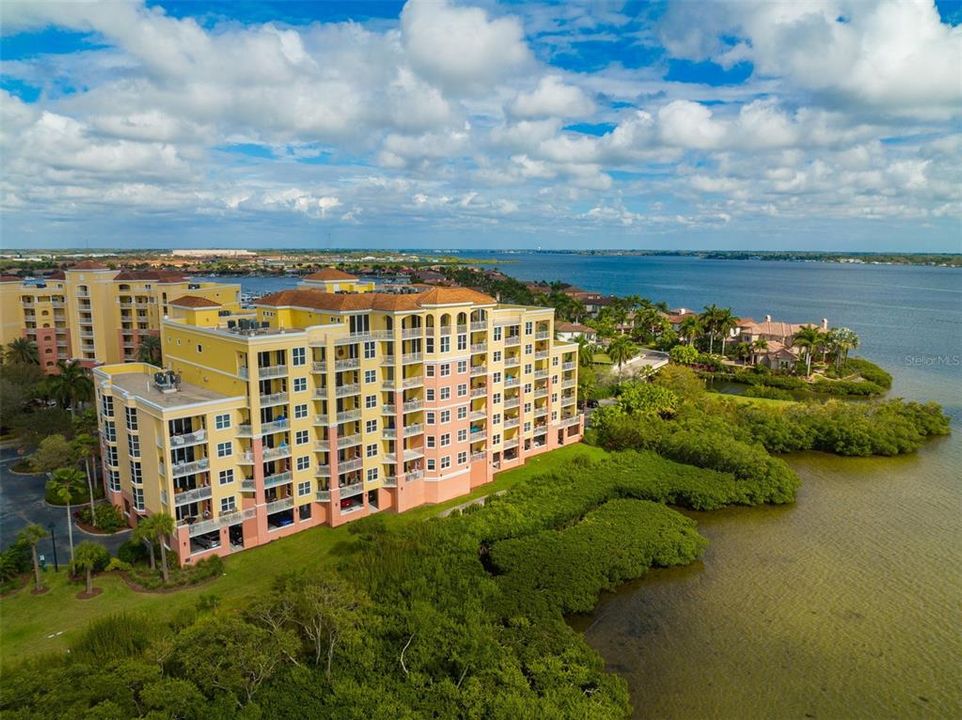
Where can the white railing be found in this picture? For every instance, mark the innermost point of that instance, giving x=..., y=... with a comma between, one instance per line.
x=541, y=411
x=512, y=340
x=479, y=347
x=274, y=399
x=541, y=392
x=349, y=415
x=276, y=479
x=542, y=335
x=322, y=446
x=541, y=374
x=478, y=414
x=320, y=419
x=412, y=405
x=541, y=354
x=389, y=433
x=511, y=403
x=390, y=481
x=324, y=496
x=272, y=371
x=347, y=364
x=409, y=358
x=277, y=453
x=322, y=471
x=411, y=332
x=508, y=444
x=479, y=325
x=191, y=438
x=351, y=490
x=462, y=329
x=512, y=361
x=412, y=382
x=388, y=409
x=478, y=434
x=345, y=390
x=414, y=475
x=511, y=381
x=189, y=496
x=415, y=429
x=478, y=370
x=188, y=468
x=206, y=526
x=319, y=366
x=479, y=391
x=348, y=440
x=275, y=426
x=568, y=383
x=248, y=485
x=568, y=399
x=511, y=423
x=280, y=505
x=245, y=430
x=566, y=422
x=344, y=466
x=569, y=366
x=478, y=456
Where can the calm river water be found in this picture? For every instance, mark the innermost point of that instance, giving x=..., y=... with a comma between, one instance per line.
x=846, y=604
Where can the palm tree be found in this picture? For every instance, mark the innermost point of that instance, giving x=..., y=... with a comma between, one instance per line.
x=31, y=535
x=143, y=533
x=65, y=482
x=725, y=323
x=842, y=340
x=88, y=555
x=808, y=338
x=162, y=526
x=71, y=386
x=690, y=328
x=757, y=345
x=149, y=350
x=22, y=351
x=621, y=350
x=709, y=321
x=585, y=352
x=85, y=446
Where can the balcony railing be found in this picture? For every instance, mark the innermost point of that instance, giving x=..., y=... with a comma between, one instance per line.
x=511, y=381
x=479, y=392
x=541, y=392
x=478, y=456
x=411, y=332
x=388, y=409
x=280, y=505
x=389, y=433
x=349, y=415
x=320, y=419
x=412, y=406
x=512, y=443
x=568, y=399
x=568, y=421
x=346, y=390
x=319, y=367
x=276, y=453
x=344, y=466
x=348, y=441
x=477, y=370
x=414, y=475
x=511, y=423
x=541, y=354
x=188, y=496
x=569, y=366
x=541, y=374
x=192, y=438
x=281, y=478
x=275, y=426
x=274, y=399
x=415, y=429
x=412, y=382
x=542, y=335
x=351, y=490
x=512, y=340
x=478, y=435
x=272, y=371
x=568, y=383
x=409, y=358
x=248, y=485
x=479, y=347
x=512, y=361
x=511, y=403
x=478, y=414
x=347, y=364
x=188, y=468
x=390, y=481
x=322, y=471
x=324, y=496
x=479, y=325
x=224, y=520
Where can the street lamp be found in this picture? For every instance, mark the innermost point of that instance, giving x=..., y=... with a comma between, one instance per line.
x=53, y=540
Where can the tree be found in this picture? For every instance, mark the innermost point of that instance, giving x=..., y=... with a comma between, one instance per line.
x=143, y=533
x=149, y=350
x=709, y=321
x=725, y=322
x=683, y=355
x=690, y=328
x=31, y=535
x=644, y=397
x=52, y=453
x=66, y=481
x=758, y=346
x=808, y=338
x=21, y=351
x=85, y=448
x=71, y=386
x=586, y=352
x=88, y=557
x=621, y=350
x=158, y=527
x=842, y=340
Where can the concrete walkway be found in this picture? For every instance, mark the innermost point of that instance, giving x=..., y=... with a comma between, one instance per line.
x=655, y=359
x=21, y=503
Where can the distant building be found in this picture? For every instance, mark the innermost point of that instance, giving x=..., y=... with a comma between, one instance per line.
x=222, y=252
x=572, y=332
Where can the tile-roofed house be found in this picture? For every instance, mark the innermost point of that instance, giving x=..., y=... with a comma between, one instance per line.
x=88, y=265
x=573, y=331
x=749, y=330
x=193, y=301
x=329, y=275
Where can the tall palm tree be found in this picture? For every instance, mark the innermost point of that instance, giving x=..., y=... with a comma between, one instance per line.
x=725, y=323
x=808, y=338
x=85, y=446
x=22, y=351
x=842, y=340
x=149, y=350
x=71, y=386
x=690, y=328
x=31, y=535
x=585, y=352
x=162, y=526
x=86, y=558
x=66, y=481
x=143, y=533
x=621, y=350
x=759, y=344
x=709, y=321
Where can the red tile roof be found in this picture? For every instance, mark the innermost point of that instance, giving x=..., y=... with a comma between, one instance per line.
x=193, y=301
x=329, y=275
x=163, y=276
x=88, y=265
x=9, y=278
x=58, y=275
x=573, y=327
x=388, y=302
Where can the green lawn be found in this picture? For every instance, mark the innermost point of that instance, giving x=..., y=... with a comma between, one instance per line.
x=754, y=400
x=27, y=622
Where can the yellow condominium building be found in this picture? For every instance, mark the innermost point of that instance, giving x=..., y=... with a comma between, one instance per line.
x=320, y=407
x=95, y=314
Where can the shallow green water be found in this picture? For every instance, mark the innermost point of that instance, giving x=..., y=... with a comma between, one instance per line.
x=845, y=605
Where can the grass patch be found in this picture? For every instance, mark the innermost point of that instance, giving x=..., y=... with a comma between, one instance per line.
x=29, y=620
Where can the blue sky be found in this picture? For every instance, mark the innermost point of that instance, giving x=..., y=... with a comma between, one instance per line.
x=829, y=125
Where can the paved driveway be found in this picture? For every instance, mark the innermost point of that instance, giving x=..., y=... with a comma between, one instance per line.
x=21, y=503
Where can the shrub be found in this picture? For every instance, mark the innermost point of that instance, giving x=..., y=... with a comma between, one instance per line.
x=846, y=387
x=132, y=552
x=79, y=495
x=684, y=355
x=766, y=391
x=114, y=636
x=109, y=517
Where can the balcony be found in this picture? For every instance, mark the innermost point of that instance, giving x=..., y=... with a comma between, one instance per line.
x=568, y=421
x=541, y=354
x=347, y=390
x=478, y=415
x=248, y=485
x=478, y=435
x=186, y=439
x=273, y=399
x=462, y=329
x=541, y=374
x=477, y=370
x=568, y=399
x=224, y=520
x=410, y=358
x=412, y=406
x=512, y=340
x=512, y=361
x=347, y=364
x=541, y=411
x=511, y=403
x=320, y=419
x=280, y=505
x=511, y=423
x=478, y=456
x=348, y=441
x=414, y=475
x=281, y=478
x=319, y=367
x=479, y=347
x=479, y=392
x=568, y=383
x=274, y=426
x=389, y=433
x=540, y=392
x=412, y=382
x=569, y=366
x=349, y=415
x=189, y=496
x=322, y=471
x=411, y=332
x=188, y=468
x=415, y=429
x=390, y=481
x=479, y=325
x=542, y=335
x=276, y=453
x=347, y=491
x=511, y=381
x=272, y=371
x=323, y=496
x=388, y=409
x=344, y=466
x=508, y=444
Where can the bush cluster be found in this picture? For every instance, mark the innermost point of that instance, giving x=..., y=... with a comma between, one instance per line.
x=179, y=576
x=109, y=517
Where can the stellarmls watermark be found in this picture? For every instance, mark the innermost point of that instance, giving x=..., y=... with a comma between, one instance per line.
x=925, y=360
